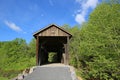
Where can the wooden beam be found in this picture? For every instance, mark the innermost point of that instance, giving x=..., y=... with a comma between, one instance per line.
x=39, y=55
x=66, y=46
x=37, y=49
x=67, y=55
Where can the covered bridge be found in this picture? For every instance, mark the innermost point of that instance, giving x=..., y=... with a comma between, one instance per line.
x=52, y=39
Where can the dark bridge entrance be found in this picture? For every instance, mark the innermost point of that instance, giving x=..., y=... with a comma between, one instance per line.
x=52, y=39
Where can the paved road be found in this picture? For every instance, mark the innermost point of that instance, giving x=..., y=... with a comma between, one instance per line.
x=50, y=73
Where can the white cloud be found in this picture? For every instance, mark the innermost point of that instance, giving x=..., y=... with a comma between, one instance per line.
x=90, y=3
x=13, y=26
x=80, y=18
x=85, y=5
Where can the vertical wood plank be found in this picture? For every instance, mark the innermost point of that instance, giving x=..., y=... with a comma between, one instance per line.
x=67, y=50
x=56, y=32
x=37, y=49
x=65, y=54
x=39, y=54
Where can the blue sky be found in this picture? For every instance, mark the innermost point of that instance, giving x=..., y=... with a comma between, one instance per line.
x=21, y=18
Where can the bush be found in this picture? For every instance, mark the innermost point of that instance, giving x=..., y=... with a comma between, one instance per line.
x=52, y=57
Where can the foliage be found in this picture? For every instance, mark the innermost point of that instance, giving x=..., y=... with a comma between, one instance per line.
x=15, y=56
x=95, y=47
x=2, y=78
x=52, y=57
x=32, y=48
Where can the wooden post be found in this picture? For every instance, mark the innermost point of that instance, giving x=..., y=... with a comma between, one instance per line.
x=67, y=46
x=65, y=54
x=39, y=54
x=37, y=49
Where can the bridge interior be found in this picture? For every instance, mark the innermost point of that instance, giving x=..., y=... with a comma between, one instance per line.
x=52, y=44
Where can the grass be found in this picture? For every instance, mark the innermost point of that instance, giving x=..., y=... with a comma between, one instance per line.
x=3, y=78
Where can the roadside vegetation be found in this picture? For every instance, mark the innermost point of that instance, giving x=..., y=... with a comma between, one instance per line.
x=94, y=48
x=15, y=56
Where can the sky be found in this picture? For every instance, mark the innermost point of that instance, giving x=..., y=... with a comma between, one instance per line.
x=21, y=18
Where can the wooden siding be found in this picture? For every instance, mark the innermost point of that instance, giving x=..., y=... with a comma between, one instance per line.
x=53, y=31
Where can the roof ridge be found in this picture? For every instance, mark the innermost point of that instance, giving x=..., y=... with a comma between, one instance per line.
x=50, y=25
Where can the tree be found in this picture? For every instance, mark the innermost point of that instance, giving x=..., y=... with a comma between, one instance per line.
x=95, y=47
x=32, y=49
x=14, y=57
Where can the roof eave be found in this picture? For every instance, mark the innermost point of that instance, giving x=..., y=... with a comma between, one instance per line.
x=35, y=34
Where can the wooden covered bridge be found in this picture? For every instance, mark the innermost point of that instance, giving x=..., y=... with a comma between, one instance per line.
x=52, y=39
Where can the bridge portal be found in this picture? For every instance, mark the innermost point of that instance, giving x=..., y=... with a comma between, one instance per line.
x=52, y=39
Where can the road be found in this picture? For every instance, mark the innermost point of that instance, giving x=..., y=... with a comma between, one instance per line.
x=50, y=73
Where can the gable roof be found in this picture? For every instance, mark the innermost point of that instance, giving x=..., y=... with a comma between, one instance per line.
x=51, y=25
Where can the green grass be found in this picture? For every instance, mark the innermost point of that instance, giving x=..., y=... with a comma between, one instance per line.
x=3, y=78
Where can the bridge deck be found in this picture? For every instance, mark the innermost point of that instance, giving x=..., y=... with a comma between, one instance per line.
x=50, y=73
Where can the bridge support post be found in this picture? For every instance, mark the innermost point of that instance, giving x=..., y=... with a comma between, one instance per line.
x=37, y=49
x=66, y=46
x=67, y=51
